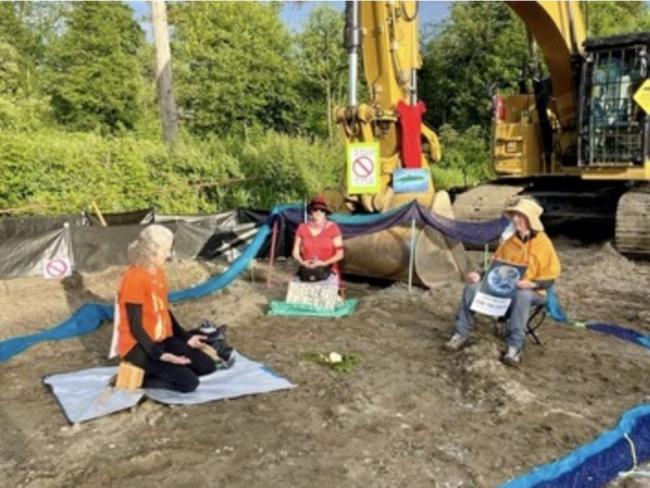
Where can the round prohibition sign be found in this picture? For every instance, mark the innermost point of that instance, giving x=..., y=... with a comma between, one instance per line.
x=363, y=166
x=56, y=268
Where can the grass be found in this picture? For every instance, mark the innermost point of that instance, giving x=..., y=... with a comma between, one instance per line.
x=346, y=365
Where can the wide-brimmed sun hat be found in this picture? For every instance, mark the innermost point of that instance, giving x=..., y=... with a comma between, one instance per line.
x=318, y=203
x=530, y=209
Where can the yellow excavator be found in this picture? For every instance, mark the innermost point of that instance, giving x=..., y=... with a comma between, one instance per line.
x=384, y=37
x=579, y=142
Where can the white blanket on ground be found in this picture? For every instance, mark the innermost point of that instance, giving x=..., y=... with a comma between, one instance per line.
x=86, y=394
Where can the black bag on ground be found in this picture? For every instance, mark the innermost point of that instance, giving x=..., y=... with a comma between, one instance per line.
x=312, y=275
x=215, y=338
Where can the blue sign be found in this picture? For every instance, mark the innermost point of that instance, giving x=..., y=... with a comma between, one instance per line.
x=411, y=180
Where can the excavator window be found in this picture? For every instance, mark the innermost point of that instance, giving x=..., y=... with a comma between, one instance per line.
x=615, y=124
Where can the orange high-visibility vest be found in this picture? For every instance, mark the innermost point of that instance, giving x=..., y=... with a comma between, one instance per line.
x=141, y=287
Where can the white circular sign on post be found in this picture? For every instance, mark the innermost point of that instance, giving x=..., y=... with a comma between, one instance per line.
x=57, y=268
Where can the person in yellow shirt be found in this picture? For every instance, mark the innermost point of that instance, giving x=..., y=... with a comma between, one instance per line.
x=529, y=246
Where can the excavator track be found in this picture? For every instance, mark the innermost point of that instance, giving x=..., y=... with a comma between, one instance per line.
x=586, y=210
x=484, y=202
x=633, y=222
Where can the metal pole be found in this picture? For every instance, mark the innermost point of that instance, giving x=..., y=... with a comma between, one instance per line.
x=353, y=43
x=412, y=255
x=274, y=237
x=414, y=86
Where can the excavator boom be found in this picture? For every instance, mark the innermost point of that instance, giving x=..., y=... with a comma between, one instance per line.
x=559, y=30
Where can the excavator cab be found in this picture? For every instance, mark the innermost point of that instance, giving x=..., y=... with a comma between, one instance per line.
x=614, y=131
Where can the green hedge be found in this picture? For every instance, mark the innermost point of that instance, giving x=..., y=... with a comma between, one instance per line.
x=55, y=171
x=465, y=158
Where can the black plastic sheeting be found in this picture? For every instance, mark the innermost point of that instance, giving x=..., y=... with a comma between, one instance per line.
x=26, y=255
x=13, y=227
x=285, y=233
x=27, y=243
x=144, y=216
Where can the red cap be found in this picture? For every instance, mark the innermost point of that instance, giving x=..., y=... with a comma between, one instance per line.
x=318, y=203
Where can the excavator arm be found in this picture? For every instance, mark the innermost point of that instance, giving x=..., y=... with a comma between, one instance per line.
x=386, y=36
x=559, y=31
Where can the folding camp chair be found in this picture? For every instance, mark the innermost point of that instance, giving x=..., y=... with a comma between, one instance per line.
x=535, y=321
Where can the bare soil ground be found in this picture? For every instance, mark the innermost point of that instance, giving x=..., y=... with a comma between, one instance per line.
x=408, y=415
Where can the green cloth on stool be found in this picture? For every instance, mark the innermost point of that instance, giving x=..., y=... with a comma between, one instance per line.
x=295, y=309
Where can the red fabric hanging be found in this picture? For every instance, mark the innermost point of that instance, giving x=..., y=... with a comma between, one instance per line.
x=410, y=119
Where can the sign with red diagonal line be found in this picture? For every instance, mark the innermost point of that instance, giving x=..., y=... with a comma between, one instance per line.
x=57, y=268
x=363, y=168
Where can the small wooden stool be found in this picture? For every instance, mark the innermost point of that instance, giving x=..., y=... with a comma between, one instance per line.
x=129, y=376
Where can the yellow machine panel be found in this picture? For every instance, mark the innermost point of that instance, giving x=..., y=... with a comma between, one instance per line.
x=516, y=139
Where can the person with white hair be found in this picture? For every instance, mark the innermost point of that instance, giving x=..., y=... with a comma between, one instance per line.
x=149, y=336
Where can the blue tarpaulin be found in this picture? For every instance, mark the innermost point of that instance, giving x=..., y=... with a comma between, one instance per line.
x=622, y=333
x=85, y=320
x=595, y=464
x=553, y=307
x=91, y=315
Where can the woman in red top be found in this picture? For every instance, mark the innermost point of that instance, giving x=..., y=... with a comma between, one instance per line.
x=318, y=242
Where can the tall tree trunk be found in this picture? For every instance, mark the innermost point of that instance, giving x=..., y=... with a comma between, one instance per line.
x=166, y=97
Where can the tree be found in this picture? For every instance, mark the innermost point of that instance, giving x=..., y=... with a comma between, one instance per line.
x=613, y=18
x=482, y=46
x=323, y=63
x=22, y=105
x=233, y=67
x=94, y=72
x=13, y=30
x=166, y=97
x=20, y=47
x=9, y=69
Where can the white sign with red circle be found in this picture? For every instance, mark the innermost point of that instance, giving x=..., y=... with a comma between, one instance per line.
x=57, y=268
x=363, y=168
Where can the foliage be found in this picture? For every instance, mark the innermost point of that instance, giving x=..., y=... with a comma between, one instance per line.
x=94, y=73
x=346, y=365
x=59, y=171
x=323, y=63
x=9, y=69
x=482, y=46
x=465, y=158
x=14, y=31
x=79, y=119
x=286, y=168
x=18, y=110
x=614, y=18
x=233, y=67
